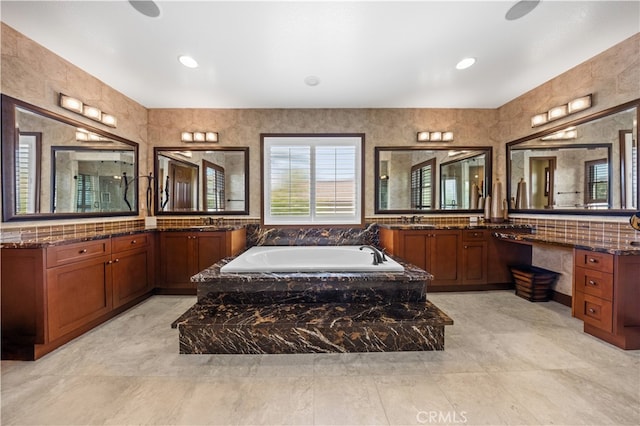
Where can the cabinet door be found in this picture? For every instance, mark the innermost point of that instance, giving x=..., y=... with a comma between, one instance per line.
x=474, y=262
x=442, y=257
x=129, y=273
x=211, y=248
x=77, y=294
x=414, y=249
x=177, y=251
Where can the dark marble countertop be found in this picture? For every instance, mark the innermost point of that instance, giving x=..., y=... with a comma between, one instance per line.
x=622, y=249
x=200, y=228
x=421, y=226
x=47, y=241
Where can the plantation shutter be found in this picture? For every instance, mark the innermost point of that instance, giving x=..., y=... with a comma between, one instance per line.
x=314, y=180
x=597, y=181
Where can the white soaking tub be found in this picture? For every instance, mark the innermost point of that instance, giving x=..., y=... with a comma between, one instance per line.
x=309, y=259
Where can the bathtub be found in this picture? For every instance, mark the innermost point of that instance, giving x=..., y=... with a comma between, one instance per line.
x=308, y=259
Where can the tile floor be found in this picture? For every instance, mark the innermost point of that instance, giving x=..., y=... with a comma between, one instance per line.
x=507, y=361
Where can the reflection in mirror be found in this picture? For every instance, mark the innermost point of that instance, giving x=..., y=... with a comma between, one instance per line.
x=462, y=180
x=589, y=164
x=202, y=181
x=55, y=167
x=92, y=180
x=424, y=180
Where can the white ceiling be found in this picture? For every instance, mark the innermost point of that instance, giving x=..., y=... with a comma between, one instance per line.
x=365, y=53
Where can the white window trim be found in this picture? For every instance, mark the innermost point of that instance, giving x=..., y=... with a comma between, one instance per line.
x=268, y=141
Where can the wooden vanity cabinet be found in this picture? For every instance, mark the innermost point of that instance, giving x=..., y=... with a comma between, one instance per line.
x=184, y=254
x=53, y=294
x=606, y=296
x=459, y=259
x=132, y=267
x=474, y=256
x=434, y=250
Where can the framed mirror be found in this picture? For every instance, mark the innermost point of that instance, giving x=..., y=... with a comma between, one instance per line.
x=54, y=167
x=418, y=179
x=586, y=166
x=211, y=181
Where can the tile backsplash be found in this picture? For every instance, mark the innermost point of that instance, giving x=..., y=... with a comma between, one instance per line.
x=590, y=230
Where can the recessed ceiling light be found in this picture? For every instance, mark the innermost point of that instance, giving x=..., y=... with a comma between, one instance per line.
x=312, y=80
x=465, y=63
x=146, y=7
x=188, y=61
x=520, y=9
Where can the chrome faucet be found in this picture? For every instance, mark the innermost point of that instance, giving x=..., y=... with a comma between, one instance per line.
x=378, y=256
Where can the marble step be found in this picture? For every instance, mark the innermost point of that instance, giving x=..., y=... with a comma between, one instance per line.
x=311, y=328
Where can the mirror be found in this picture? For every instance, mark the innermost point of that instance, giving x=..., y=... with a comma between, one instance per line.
x=54, y=167
x=417, y=179
x=582, y=166
x=212, y=181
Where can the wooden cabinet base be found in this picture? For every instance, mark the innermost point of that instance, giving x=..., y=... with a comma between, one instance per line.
x=628, y=340
x=14, y=349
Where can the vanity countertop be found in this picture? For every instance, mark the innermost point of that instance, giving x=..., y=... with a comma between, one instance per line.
x=57, y=240
x=616, y=248
x=427, y=226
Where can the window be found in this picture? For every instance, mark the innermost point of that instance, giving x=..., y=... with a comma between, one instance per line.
x=312, y=179
x=85, y=194
x=422, y=177
x=214, y=194
x=597, y=183
x=28, y=173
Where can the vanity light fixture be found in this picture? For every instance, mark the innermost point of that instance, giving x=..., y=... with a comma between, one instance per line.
x=79, y=107
x=83, y=135
x=568, y=133
x=436, y=136
x=576, y=105
x=199, y=136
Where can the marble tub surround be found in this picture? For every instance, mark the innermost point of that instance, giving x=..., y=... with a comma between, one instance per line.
x=312, y=328
x=215, y=287
x=311, y=312
x=316, y=236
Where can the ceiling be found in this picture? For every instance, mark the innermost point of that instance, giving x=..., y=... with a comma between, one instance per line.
x=365, y=54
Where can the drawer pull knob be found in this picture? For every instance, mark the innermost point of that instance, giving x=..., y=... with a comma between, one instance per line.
x=116, y=261
x=592, y=260
x=82, y=251
x=133, y=242
x=592, y=311
x=109, y=262
x=591, y=282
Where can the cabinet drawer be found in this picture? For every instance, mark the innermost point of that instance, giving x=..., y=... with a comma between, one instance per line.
x=62, y=255
x=474, y=235
x=129, y=242
x=595, y=283
x=594, y=260
x=594, y=311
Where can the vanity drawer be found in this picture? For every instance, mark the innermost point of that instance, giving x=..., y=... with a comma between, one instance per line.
x=594, y=260
x=61, y=255
x=594, y=311
x=595, y=283
x=474, y=235
x=129, y=242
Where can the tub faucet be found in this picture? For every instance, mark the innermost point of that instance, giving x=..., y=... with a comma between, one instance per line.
x=378, y=257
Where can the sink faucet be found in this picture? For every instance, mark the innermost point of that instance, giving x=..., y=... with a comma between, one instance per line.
x=378, y=256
